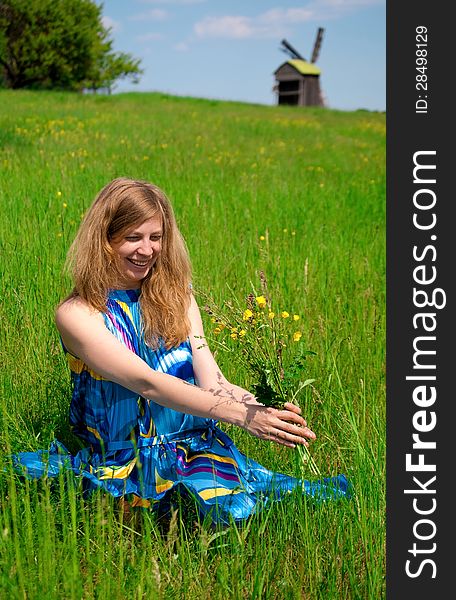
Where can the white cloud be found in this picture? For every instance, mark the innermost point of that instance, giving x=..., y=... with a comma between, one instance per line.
x=272, y=23
x=349, y=3
x=109, y=23
x=333, y=9
x=289, y=15
x=173, y=1
x=276, y=21
x=154, y=14
x=149, y=37
x=237, y=27
x=182, y=47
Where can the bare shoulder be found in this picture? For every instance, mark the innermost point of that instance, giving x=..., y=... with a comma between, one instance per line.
x=75, y=310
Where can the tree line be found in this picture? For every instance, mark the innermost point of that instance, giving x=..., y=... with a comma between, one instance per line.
x=59, y=44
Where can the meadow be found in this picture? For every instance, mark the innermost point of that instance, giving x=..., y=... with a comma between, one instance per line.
x=297, y=193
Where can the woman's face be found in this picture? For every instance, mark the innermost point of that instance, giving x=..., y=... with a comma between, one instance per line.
x=137, y=250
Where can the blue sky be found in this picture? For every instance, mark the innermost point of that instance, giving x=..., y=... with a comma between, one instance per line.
x=229, y=49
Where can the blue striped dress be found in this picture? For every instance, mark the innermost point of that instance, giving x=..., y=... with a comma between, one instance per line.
x=143, y=451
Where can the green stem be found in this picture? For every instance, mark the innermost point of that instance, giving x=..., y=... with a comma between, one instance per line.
x=307, y=460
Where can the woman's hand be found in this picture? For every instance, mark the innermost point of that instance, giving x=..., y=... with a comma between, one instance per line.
x=286, y=427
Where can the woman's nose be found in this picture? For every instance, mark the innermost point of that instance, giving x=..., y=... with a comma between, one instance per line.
x=146, y=248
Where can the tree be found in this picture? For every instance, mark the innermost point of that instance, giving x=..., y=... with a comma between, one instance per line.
x=110, y=66
x=59, y=44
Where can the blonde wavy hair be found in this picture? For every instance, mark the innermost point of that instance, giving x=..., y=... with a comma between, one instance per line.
x=165, y=292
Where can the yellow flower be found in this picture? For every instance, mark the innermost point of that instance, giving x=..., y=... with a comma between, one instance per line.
x=217, y=330
x=242, y=333
x=222, y=326
x=64, y=205
x=271, y=315
x=297, y=336
x=284, y=314
x=59, y=194
x=233, y=336
x=213, y=320
x=261, y=301
x=296, y=317
x=234, y=330
x=248, y=314
x=262, y=238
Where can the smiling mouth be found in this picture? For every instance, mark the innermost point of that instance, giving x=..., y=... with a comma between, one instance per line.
x=139, y=263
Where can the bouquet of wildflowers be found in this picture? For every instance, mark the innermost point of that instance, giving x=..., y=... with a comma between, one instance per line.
x=267, y=341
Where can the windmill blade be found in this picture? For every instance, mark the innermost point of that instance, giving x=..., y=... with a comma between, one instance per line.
x=317, y=45
x=291, y=51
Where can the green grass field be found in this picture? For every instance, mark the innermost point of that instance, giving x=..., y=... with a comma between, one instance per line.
x=311, y=182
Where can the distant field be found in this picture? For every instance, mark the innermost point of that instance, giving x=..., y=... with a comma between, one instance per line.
x=311, y=182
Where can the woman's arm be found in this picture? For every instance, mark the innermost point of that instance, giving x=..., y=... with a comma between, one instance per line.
x=207, y=372
x=85, y=335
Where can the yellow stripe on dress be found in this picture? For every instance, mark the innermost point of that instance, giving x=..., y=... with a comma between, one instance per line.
x=95, y=432
x=117, y=472
x=215, y=492
x=216, y=457
x=127, y=311
x=138, y=502
x=152, y=430
x=162, y=485
x=77, y=366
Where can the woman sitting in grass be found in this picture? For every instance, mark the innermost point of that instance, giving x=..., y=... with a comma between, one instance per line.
x=147, y=391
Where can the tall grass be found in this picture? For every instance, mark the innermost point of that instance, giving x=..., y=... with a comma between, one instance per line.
x=311, y=183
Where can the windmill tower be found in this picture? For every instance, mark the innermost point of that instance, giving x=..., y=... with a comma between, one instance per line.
x=297, y=80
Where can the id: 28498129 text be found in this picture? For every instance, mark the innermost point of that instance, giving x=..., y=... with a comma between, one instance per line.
x=421, y=64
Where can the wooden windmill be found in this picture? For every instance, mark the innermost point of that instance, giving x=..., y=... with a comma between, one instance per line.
x=297, y=80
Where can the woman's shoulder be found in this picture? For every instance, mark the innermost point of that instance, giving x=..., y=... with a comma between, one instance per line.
x=75, y=308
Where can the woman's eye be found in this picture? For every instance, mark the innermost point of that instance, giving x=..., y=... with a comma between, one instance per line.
x=132, y=238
